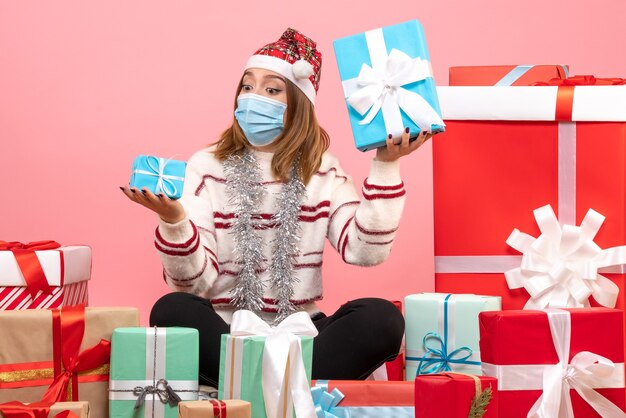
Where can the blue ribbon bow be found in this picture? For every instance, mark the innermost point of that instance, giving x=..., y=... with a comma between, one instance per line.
x=437, y=360
x=325, y=402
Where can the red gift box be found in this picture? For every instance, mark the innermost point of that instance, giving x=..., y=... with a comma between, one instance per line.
x=548, y=354
x=356, y=398
x=450, y=395
x=505, y=75
x=505, y=154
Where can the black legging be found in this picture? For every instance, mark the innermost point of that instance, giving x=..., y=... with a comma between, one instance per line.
x=351, y=343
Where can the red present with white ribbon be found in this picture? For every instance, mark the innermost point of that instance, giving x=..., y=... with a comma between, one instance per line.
x=43, y=275
x=555, y=363
x=509, y=150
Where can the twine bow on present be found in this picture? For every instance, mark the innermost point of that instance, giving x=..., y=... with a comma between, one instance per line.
x=437, y=360
x=560, y=268
x=162, y=389
x=29, y=264
x=325, y=403
x=284, y=374
x=157, y=169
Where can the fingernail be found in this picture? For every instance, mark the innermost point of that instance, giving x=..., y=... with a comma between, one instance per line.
x=121, y=188
x=406, y=129
x=160, y=195
x=389, y=136
x=143, y=191
x=424, y=132
x=132, y=190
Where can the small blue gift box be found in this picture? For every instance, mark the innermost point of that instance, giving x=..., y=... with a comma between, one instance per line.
x=388, y=84
x=159, y=175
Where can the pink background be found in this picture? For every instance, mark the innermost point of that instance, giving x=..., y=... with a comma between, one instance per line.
x=86, y=86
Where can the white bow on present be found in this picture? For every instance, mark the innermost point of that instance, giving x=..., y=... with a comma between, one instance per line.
x=380, y=87
x=559, y=269
x=284, y=376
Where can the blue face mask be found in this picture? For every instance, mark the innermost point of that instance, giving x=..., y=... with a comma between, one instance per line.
x=260, y=118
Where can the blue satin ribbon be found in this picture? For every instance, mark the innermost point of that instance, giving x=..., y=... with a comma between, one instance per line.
x=437, y=360
x=513, y=75
x=326, y=403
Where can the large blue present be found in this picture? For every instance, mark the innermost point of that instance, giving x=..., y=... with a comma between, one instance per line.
x=159, y=175
x=388, y=84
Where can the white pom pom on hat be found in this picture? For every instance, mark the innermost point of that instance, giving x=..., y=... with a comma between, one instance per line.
x=302, y=69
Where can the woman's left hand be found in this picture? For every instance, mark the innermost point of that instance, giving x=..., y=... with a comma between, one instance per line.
x=392, y=152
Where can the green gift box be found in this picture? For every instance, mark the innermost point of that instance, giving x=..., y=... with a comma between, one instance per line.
x=241, y=369
x=150, y=368
x=442, y=332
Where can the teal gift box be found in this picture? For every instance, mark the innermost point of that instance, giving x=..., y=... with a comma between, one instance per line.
x=159, y=175
x=150, y=368
x=241, y=369
x=442, y=332
x=388, y=84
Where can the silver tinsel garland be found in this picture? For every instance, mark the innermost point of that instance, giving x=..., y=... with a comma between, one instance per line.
x=246, y=195
x=285, y=242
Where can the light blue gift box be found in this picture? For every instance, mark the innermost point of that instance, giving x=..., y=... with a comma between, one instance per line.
x=442, y=332
x=159, y=175
x=406, y=43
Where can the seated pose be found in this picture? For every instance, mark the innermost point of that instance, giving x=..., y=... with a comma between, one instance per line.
x=257, y=207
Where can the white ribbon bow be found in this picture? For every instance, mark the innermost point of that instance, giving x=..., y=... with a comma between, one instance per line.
x=283, y=367
x=380, y=87
x=560, y=268
x=585, y=369
x=164, y=181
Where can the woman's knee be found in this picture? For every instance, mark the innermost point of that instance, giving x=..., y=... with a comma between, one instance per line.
x=169, y=309
x=385, y=317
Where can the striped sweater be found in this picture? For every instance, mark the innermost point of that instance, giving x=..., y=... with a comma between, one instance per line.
x=197, y=252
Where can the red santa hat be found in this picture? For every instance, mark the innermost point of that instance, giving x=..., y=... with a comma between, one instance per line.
x=293, y=56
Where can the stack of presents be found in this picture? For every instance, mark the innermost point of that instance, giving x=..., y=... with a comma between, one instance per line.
x=530, y=256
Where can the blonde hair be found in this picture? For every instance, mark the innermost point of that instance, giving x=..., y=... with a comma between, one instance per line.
x=302, y=136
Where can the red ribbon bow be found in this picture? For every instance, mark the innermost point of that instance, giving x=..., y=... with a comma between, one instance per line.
x=29, y=263
x=17, y=409
x=68, y=330
x=565, y=93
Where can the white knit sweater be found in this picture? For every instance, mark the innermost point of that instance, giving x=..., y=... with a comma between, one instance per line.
x=197, y=252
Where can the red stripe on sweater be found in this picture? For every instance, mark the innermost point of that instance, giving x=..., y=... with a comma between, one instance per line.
x=343, y=230
x=373, y=231
x=177, y=253
x=322, y=204
x=351, y=203
x=323, y=173
x=343, y=250
x=313, y=253
x=320, y=215
x=369, y=186
x=190, y=278
x=222, y=301
x=185, y=244
x=384, y=196
x=177, y=285
x=377, y=243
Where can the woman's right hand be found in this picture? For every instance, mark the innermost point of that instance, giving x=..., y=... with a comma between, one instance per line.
x=170, y=211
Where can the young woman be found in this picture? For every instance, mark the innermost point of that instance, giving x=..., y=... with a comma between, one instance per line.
x=257, y=207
